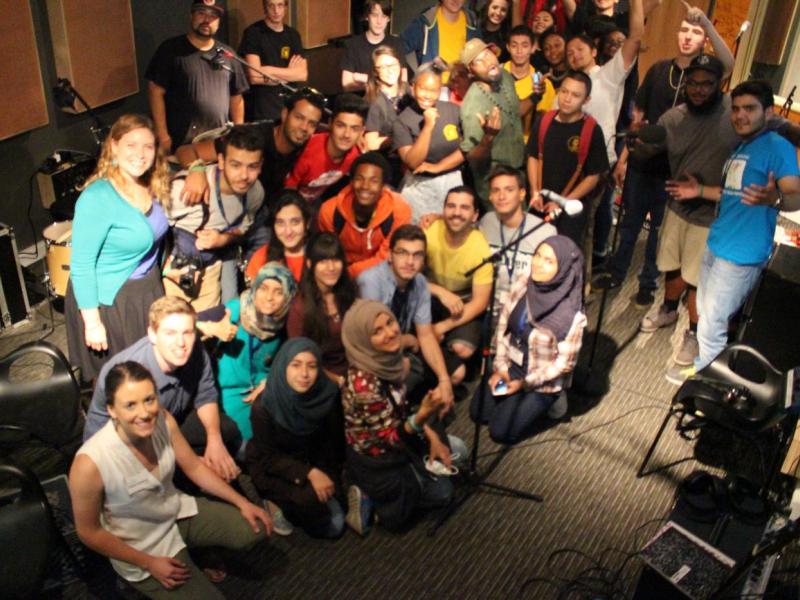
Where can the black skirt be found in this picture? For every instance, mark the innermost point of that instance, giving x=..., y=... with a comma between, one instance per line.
x=125, y=322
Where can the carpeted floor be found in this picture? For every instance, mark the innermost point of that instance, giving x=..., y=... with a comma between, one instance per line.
x=594, y=514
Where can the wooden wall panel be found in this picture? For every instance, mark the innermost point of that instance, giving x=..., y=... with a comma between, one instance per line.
x=728, y=18
x=24, y=105
x=94, y=48
x=320, y=20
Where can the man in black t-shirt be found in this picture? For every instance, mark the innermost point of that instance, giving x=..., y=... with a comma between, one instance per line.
x=558, y=169
x=643, y=181
x=275, y=50
x=356, y=63
x=192, y=87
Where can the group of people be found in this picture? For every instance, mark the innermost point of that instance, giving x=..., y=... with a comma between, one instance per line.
x=304, y=297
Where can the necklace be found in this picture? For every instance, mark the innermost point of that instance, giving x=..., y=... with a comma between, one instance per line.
x=675, y=86
x=497, y=99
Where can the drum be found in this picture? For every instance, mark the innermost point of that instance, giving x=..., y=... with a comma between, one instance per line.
x=58, y=238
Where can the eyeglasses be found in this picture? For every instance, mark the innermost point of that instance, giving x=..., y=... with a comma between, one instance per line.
x=404, y=254
x=706, y=84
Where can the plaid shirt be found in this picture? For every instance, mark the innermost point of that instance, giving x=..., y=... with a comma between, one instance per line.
x=548, y=359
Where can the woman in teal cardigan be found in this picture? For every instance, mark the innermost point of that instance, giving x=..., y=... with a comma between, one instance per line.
x=116, y=237
x=244, y=362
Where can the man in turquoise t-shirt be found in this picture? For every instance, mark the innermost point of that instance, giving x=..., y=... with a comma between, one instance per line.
x=759, y=179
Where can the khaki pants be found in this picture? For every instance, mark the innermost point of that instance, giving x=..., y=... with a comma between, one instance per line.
x=215, y=524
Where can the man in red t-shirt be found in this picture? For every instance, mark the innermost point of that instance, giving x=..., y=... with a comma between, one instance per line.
x=327, y=157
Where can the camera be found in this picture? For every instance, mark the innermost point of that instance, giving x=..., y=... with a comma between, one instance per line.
x=193, y=264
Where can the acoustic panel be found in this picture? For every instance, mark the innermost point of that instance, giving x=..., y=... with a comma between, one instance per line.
x=94, y=48
x=320, y=20
x=24, y=106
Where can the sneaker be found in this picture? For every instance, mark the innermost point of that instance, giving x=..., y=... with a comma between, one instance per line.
x=558, y=408
x=644, y=298
x=663, y=318
x=280, y=524
x=689, y=349
x=359, y=510
x=677, y=374
x=608, y=282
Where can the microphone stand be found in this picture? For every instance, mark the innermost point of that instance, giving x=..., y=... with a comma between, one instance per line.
x=66, y=94
x=475, y=480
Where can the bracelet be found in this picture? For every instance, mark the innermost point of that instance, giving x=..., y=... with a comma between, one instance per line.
x=197, y=165
x=702, y=189
x=412, y=422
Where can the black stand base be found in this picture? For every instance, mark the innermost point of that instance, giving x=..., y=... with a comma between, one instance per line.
x=475, y=482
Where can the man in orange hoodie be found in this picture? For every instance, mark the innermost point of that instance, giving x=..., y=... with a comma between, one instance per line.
x=365, y=213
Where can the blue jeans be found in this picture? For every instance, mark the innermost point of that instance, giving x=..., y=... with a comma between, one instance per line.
x=334, y=528
x=511, y=417
x=722, y=290
x=641, y=194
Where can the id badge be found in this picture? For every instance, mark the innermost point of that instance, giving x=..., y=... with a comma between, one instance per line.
x=516, y=355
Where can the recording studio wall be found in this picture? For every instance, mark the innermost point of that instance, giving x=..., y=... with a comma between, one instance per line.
x=23, y=154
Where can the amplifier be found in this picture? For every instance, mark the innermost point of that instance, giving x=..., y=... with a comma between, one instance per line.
x=14, y=306
x=60, y=185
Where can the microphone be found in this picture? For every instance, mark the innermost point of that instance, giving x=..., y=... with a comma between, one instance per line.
x=745, y=26
x=217, y=59
x=649, y=134
x=568, y=205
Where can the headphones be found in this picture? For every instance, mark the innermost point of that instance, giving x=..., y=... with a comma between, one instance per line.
x=707, y=498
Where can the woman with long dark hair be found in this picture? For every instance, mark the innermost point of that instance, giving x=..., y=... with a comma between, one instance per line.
x=119, y=225
x=495, y=18
x=288, y=224
x=326, y=294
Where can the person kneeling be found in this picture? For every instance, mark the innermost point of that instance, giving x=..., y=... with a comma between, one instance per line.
x=293, y=454
x=538, y=339
x=127, y=507
x=385, y=441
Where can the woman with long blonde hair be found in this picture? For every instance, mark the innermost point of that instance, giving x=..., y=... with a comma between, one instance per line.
x=116, y=238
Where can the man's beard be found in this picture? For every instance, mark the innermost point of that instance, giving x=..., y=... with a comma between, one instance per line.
x=706, y=107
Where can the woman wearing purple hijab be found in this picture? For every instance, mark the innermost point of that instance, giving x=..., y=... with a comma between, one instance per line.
x=537, y=341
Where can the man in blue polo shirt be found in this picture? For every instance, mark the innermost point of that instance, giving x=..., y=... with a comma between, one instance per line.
x=184, y=381
x=400, y=285
x=759, y=179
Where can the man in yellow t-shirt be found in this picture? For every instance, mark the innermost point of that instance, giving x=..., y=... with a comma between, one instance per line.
x=439, y=32
x=520, y=48
x=454, y=246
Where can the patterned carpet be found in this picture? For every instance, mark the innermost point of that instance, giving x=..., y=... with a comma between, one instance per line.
x=575, y=544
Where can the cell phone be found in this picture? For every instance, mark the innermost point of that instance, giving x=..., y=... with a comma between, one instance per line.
x=501, y=388
x=537, y=78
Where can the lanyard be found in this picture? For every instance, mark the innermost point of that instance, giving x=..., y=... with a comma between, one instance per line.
x=242, y=199
x=510, y=266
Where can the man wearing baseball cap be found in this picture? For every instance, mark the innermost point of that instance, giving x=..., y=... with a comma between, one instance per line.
x=490, y=116
x=700, y=138
x=192, y=87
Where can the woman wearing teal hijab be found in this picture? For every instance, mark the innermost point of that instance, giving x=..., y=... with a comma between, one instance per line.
x=244, y=362
x=292, y=456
